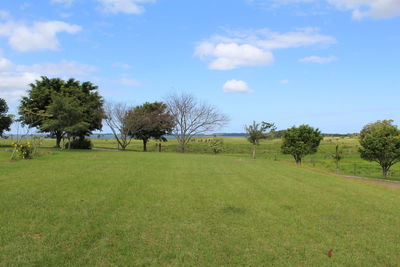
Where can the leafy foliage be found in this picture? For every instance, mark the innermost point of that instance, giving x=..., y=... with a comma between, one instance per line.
x=150, y=120
x=5, y=120
x=80, y=144
x=257, y=132
x=337, y=156
x=216, y=145
x=301, y=141
x=380, y=142
x=44, y=92
x=24, y=151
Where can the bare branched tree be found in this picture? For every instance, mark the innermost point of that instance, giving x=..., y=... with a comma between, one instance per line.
x=115, y=114
x=193, y=118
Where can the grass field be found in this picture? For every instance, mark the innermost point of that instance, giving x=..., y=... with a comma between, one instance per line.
x=351, y=164
x=110, y=208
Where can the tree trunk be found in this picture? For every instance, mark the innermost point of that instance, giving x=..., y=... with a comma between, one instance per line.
x=58, y=139
x=298, y=160
x=182, y=145
x=385, y=171
x=159, y=147
x=145, y=145
x=69, y=142
x=254, y=151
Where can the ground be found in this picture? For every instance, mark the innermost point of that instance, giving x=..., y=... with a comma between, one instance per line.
x=86, y=208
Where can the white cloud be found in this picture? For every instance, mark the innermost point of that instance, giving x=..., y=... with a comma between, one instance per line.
x=230, y=56
x=39, y=36
x=236, y=86
x=360, y=8
x=123, y=6
x=13, y=85
x=5, y=65
x=317, y=59
x=253, y=48
x=369, y=8
x=64, y=67
x=129, y=82
x=15, y=79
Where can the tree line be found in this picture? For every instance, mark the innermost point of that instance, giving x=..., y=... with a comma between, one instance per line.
x=70, y=110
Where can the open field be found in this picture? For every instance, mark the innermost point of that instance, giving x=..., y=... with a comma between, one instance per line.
x=103, y=208
x=351, y=164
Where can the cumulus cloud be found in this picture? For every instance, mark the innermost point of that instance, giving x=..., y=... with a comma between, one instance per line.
x=236, y=86
x=14, y=84
x=39, y=36
x=14, y=79
x=359, y=8
x=254, y=48
x=123, y=6
x=317, y=59
x=69, y=68
x=232, y=55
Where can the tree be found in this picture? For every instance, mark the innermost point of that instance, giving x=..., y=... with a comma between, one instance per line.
x=5, y=120
x=380, y=142
x=301, y=141
x=257, y=132
x=193, y=118
x=115, y=118
x=337, y=156
x=40, y=97
x=150, y=120
x=67, y=116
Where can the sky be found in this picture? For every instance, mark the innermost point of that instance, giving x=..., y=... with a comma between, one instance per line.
x=332, y=64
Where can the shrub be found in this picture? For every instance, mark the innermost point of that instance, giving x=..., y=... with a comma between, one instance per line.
x=24, y=151
x=80, y=144
x=216, y=144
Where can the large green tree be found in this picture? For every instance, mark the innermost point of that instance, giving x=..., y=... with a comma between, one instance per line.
x=5, y=119
x=257, y=132
x=41, y=96
x=150, y=120
x=380, y=142
x=301, y=141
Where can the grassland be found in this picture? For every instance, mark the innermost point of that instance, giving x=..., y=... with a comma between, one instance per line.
x=110, y=208
x=351, y=164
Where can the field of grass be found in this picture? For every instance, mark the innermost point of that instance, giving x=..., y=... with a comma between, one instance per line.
x=110, y=208
x=351, y=164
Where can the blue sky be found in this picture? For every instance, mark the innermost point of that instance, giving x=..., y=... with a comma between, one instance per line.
x=333, y=64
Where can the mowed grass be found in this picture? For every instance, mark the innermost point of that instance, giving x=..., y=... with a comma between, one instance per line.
x=105, y=208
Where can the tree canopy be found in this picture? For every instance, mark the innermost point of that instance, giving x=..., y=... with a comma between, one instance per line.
x=301, y=141
x=257, y=132
x=150, y=120
x=193, y=118
x=41, y=97
x=380, y=142
x=5, y=119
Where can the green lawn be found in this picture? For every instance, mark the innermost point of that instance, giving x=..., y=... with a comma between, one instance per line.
x=104, y=208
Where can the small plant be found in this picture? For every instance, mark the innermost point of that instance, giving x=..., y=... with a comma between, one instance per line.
x=79, y=144
x=337, y=156
x=216, y=145
x=24, y=151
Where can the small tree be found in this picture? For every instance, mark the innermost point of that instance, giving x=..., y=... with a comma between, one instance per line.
x=115, y=118
x=150, y=120
x=337, y=156
x=301, y=141
x=192, y=118
x=5, y=120
x=380, y=142
x=216, y=145
x=257, y=132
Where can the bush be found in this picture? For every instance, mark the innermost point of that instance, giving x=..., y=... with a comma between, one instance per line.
x=80, y=144
x=24, y=151
x=216, y=145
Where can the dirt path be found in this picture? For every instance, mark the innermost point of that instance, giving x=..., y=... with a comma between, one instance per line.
x=379, y=182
